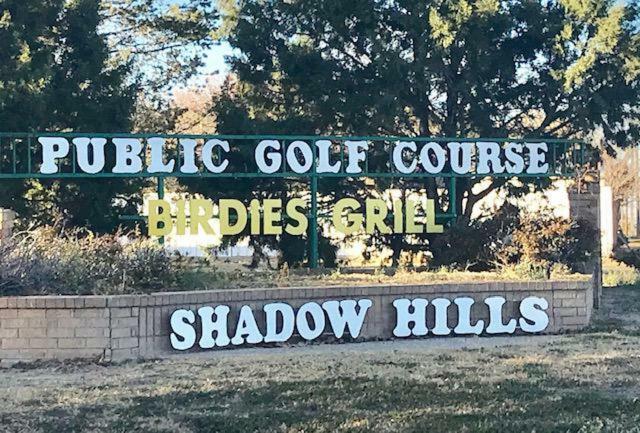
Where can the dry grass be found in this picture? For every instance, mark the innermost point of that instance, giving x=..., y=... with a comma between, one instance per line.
x=588, y=382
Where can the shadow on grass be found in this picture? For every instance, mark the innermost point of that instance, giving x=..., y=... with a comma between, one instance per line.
x=539, y=403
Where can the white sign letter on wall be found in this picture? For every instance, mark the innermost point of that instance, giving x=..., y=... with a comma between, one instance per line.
x=342, y=314
x=183, y=335
x=534, y=317
x=496, y=326
x=302, y=321
x=288, y=322
x=209, y=326
x=246, y=326
x=403, y=317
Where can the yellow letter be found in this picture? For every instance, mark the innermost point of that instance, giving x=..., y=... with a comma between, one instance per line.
x=354, y=219
x=159, y=218
x=397, y=216
x=225, y=224
x=298, y=216
x=376, y=213
x=254, y=212
x=198, y=219
x=432, y=227
x=271, y=216
x=412, y=226
x=181, y=218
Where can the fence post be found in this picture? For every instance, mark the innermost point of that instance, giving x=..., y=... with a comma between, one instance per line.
x=6, y=225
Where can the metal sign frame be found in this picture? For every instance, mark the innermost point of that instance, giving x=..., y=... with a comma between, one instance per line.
x=19, y=159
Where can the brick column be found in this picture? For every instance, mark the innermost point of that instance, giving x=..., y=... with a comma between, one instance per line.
x=584, y=204
x=6, y=225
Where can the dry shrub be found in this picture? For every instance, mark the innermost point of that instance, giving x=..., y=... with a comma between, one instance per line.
x=47, y=261
x=525, y=244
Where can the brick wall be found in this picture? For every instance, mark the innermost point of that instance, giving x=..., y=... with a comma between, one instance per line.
x=133, y=326
x=586, y=205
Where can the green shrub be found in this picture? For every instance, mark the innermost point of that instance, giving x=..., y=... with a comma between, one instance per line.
x=46, y=261
x=616, y=273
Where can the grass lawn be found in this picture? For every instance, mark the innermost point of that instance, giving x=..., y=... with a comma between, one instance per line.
x=587, y=382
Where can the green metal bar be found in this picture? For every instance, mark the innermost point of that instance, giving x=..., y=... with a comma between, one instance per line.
x=291, y=137
x=453, y=197
x=313, y=219
x=15, y=159
x=160, y=197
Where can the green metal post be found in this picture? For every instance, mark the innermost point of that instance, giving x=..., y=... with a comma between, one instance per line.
x=313, y=218
x=160, y=197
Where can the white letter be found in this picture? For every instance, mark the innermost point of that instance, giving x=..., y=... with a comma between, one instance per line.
x=274, y=157
x=418, y=317
x=496, y=326
x=460, y=164
x=536, y=158
x=82, y=150
x=324, y=150
x=207, y=155
x=52, y=148
x=157, y=155
x=440, y=327
x=183, y=336
x=188, y=156
x=288, y=321
x=398, y=161
x=489, y=151
x=303, y=324
x=127, y=155
x=343, y=314
x=356, y=151
x=530, y=313
x=425, y=159
x=209, y=326
x=464, y=318
x=515, y=161
x=246, y=326
x=292, y=158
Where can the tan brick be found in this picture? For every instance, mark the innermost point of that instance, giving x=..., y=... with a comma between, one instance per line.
x=58, y=313
x=564, y=294
x=32, y=332
x=8, y=332
x=9, y=313
x=576, y=302
x=33, y=353
x=125, y=343
x=15, y=343
x=71, y=343
x=120, y=312
x=92, y=332
x=124, y=322
x=94, y=343
x=60, y=332
x=43, y=343
x=121, y=332
x=563, y=312
x=91, y=313
x=15, y=323
x=95, y=302
x=31, y=313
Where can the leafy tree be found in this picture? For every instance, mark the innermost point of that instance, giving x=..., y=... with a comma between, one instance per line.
x=557, y=68
x=55, y=76
x=79, y=65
